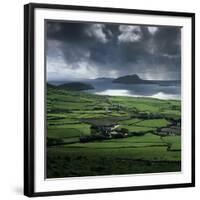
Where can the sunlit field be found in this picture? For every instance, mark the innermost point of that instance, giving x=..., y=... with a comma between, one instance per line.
x=91, y=135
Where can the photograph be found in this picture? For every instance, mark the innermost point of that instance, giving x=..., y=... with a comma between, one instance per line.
x=112, y=98
x=108, y=99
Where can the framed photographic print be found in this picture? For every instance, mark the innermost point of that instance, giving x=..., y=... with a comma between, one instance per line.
x=109, y=99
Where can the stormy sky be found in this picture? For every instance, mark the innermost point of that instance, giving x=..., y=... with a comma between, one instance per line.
x=91, y=50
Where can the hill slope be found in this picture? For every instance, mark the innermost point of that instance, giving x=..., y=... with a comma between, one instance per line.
x=76, y=86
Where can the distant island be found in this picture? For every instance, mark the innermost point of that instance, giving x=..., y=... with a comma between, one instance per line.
x=106, y=82
x=132, y=79
x=76, y=86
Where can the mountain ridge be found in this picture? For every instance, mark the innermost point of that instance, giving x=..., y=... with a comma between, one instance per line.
x=132, y=79
x=76, y=86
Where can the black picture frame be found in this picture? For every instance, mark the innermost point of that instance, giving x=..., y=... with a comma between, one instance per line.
x=29, y=81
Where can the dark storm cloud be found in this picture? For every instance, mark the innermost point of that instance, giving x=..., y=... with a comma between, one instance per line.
x=89, y=50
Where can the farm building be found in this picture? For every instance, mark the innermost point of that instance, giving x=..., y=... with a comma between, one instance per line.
x=176, y=122
x=104, y=128
x=172, y=130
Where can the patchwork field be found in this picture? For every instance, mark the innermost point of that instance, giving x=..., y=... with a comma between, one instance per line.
x=91, y=135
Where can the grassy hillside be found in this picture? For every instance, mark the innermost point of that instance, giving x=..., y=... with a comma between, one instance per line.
x=76, y=86
x=70, y=116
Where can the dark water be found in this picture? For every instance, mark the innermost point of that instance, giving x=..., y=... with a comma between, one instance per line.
x=160, y=90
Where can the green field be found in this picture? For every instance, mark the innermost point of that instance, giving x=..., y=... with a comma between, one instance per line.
x=140, y=149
